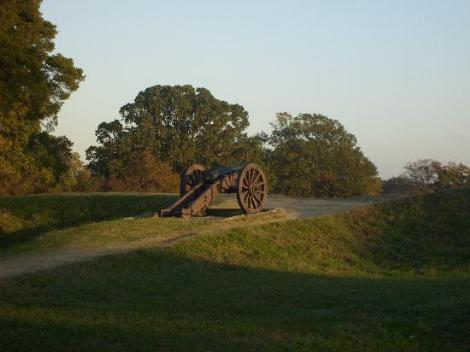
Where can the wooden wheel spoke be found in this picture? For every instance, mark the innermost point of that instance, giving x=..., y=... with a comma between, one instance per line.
x=253, y=203
x=254, y=176
x=245, y=182
x=257, y=199
x=260, y=193
x=246, y=196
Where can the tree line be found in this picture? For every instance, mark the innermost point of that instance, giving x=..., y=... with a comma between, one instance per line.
x=160, y=133
x=427, y=175
x=167, y=128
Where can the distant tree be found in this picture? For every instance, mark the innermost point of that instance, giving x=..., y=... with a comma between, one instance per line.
x=34, y=83
x=453, y=175
x=313, y=155
x=111, y=137
x=398, y=184
x=76, y=178
x=423, y=173
x=428, y=175
x=142, y=172
x=51, y=152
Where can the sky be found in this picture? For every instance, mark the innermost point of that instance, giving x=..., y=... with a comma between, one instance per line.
x=396, y=74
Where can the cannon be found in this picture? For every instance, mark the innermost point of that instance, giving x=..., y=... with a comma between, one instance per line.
x=199, y=187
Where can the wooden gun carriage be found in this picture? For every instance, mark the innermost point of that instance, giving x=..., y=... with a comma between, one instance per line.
x=199, y=187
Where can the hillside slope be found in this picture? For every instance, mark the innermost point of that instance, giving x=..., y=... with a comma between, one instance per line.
x=24, y=218
x=388, y=277
x=421, y=235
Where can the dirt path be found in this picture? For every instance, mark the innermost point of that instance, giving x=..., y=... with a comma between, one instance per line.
x=292, y=208
x=32, y=262
x=29, y=263
x=305, y=207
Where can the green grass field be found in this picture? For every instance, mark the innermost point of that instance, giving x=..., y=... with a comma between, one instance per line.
x=388, y=277
x=26, y=217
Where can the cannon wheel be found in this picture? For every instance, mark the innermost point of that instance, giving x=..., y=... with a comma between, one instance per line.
x=191, y=177
x=252, y=189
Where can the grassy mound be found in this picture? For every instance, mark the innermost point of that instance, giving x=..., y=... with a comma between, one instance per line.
x=427, y=234
x=388, y=277
x=22, y=218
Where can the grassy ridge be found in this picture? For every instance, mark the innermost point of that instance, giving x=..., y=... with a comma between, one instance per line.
x=424, y=235
x=23, y=218
x=390, y=277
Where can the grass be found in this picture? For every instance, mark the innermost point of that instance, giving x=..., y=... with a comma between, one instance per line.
x=27, y=217
x=389, y=277
x=122, y=231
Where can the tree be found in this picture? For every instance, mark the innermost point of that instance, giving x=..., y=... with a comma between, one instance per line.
x=111, y=136
x=313, y=155
x=51, y=156
x=453, y=175
x=142, y=172
x=426, y=175
x=178, y=125
x=34, y=83
x=186, y=125
x=423, y=173
x=398, y=184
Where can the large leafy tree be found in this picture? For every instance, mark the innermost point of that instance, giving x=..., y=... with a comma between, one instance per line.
x=34, y=83
x=313, y=155
x=179, y=125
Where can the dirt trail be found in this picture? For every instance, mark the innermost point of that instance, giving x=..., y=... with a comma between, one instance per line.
x=305, y=207
x=32, y=262
x=293, y=207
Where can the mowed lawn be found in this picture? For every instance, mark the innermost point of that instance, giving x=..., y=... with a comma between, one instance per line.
x=392, y=277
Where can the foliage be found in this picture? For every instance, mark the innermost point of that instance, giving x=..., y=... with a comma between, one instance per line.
x=423, y=173
x=427, y=175
x=315, y=156
x=453, y=175
x=181, y=125
x=178, y=125
x=398, y=184
x=141, y=172
x=34, y=83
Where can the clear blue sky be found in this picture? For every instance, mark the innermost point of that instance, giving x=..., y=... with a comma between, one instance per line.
x=395, y=73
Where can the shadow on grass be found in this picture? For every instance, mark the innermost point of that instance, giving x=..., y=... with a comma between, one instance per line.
x=224, y=212
x=156, y=300
x=23, y=218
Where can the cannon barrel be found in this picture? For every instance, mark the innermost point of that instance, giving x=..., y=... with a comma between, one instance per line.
x=212, y=175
